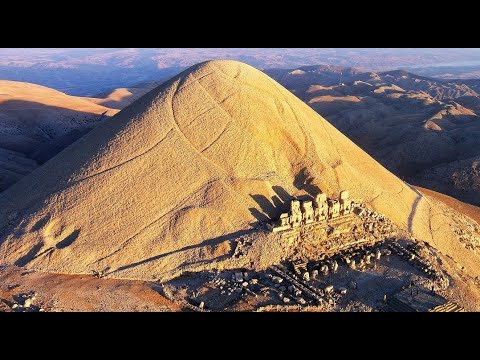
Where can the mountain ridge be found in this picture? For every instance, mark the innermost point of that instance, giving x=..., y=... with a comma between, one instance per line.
x=166, y=185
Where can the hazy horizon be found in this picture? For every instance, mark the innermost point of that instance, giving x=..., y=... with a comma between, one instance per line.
x=89, y=71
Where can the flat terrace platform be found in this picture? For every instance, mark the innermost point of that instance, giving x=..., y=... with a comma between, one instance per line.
x=420, y=299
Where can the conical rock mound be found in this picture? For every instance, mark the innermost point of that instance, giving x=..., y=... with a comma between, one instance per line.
x=174, y=177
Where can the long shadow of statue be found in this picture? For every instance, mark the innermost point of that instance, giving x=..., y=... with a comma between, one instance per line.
x=270, y=209
x=303, y=181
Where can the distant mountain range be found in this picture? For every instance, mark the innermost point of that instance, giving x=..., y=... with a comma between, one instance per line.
x=85, y=72
x=422, y=129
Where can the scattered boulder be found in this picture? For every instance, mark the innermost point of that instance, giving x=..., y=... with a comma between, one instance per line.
x=324, y=270
x=335, y=266
x=28, y=302
x=277, y=279
x=239, y=277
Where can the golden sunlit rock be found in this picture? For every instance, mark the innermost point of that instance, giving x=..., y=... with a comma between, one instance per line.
x=170, y=182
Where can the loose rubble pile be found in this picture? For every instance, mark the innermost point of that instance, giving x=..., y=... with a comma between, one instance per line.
x=325, y=269
x=375, y=223
x=241, y=247
x=468, y=235
x=25, y=303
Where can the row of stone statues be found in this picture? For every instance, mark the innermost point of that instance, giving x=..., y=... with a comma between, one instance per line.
x=320, y=209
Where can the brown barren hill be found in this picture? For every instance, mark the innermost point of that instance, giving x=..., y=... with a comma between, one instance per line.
x=469, y=210
x=15, y=95
x=121, y=97
x=166, y=185
x=36, y=122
